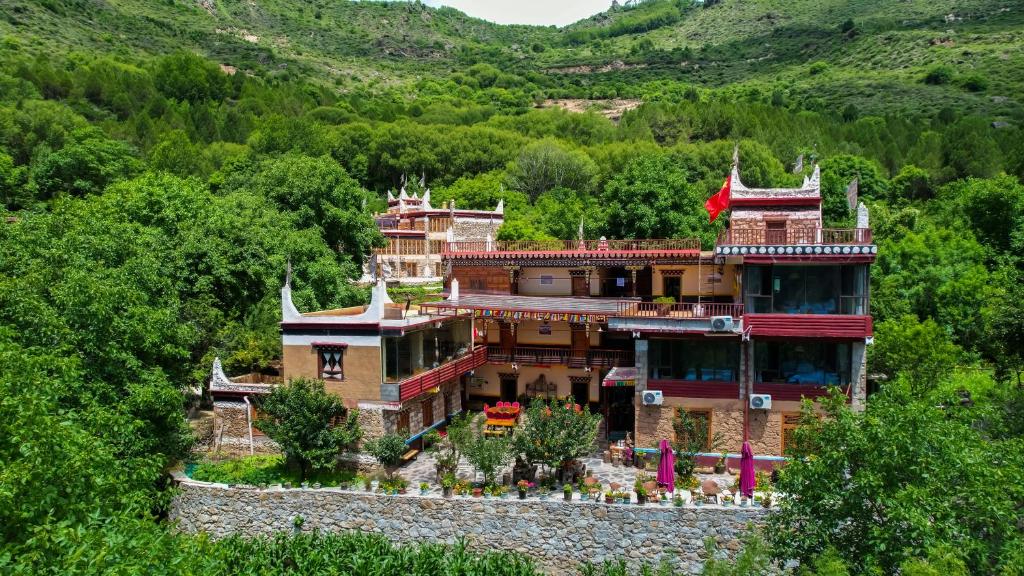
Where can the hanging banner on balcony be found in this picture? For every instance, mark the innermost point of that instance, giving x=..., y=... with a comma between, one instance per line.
x=517, y=315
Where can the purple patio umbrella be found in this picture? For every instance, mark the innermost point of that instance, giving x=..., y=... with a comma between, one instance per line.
x=666, y=467
x=747, y=480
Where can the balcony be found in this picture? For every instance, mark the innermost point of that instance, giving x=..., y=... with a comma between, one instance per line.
x=551, y=356
x=794, y=236
x=681, y=310
x=561, y=247
x=415, y=385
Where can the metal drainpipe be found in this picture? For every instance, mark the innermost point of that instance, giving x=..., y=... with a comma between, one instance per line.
x=248, y=423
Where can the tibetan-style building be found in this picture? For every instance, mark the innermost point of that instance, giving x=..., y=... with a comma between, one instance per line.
x=736, y=335
x=417, y=234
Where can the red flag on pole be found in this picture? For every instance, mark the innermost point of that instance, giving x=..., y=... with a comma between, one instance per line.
x=720, y=201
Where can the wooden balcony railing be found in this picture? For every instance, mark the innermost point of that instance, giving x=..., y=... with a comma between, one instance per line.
x=550, y=356
x=403, y=246
x=762, y=236
x=679, y=310
x=420, y=383
x=676, y=244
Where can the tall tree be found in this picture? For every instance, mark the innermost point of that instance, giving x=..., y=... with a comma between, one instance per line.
x=311, y=426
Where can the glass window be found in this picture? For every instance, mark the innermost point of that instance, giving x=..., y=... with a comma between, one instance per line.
x=422, y=350
x=696, y=360
x=806, y=289
x=817, y=363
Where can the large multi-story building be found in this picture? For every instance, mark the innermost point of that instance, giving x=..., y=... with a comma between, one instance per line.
x=417, y=233
x=777, y=311
x=737, y=335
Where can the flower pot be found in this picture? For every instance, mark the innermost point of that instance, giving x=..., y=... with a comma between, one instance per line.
x=478, y=492
x=641, y=499
x=423, y=492
x=567, y=495
x=608, y=500
x=446, y=491
x=719, y=468
x=522, y=494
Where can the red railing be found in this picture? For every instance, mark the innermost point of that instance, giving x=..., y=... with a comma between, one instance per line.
x=679, y=310
x=550, y=356
x=675, y=244
x=420, y=383
x=763, y=236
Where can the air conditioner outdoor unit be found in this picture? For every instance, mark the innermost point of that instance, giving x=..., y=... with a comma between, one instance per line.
x=653, y=398
x=721, y=323
x=761, y=401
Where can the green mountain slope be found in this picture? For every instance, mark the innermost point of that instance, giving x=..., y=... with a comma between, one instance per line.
x=825, y=54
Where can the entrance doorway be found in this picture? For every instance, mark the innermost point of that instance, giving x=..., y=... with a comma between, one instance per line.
x=617, y=405
x=579, y=286
x=580, y=389
x=509, y=387
x=672, y=286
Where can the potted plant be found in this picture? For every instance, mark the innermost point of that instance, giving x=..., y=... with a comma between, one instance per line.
x=678, y=501
x=523, y=486
x=720, y=465
x=641, y=495
x=608, y=497
x=766, y=501
x=478, y=492
x=424, y=487
x=447, y=484
x=664, y=499
x=567, y=492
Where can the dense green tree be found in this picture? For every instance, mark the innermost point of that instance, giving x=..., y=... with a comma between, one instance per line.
x=651, y=198
x=836, y=174
x=87, y=163
x=891, y=484
x=919, y=351
x=311, y=426
x=190, y=77
x=313, y=193
x=547, y=164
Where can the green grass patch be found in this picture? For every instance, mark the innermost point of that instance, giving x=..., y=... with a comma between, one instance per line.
x=257, y=470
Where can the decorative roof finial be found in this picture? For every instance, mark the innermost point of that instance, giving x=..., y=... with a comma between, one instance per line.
x=736, y=155
x=288, y=273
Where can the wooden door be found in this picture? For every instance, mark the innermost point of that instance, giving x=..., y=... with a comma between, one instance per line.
x=428, y=412
x=579, y=286
x=508, y=342
x=509, y=387
x=580, y=345
x=775, y=232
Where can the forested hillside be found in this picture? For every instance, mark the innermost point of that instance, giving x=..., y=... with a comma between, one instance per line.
x=160, y=162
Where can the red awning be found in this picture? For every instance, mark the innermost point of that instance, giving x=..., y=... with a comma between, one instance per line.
x=621, y=376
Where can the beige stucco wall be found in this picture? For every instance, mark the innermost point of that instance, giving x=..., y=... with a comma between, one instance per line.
x=362, y=371
x=690, y=276
x=561, y=283
x=528, y=333
x=557, y=374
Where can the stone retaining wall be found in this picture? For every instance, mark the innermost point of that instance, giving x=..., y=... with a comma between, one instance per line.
x=558, y=535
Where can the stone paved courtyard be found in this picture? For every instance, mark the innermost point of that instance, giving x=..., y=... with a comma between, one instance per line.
x=423, y=470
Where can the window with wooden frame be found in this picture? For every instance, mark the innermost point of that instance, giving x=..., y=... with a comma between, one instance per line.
x=331, y=361
x=701, y=419
x=790, y=422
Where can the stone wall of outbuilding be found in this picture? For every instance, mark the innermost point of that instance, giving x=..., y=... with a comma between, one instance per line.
x=557, y=535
